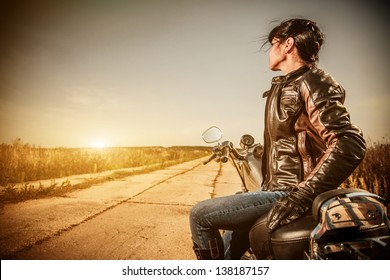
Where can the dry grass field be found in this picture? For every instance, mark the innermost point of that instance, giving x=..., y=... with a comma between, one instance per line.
x=373, y=174
x=22, y=163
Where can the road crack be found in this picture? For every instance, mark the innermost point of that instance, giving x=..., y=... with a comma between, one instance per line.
x=214, y=184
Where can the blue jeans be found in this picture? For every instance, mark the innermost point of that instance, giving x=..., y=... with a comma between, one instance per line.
x=234, y=213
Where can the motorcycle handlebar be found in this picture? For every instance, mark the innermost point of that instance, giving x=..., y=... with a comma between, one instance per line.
x=221, y=152
x=225, y=153
x=213, y=156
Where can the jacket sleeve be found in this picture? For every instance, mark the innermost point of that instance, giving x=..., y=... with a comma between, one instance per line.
x=345, y=146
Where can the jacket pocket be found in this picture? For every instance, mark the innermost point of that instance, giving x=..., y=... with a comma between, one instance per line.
x=290, y=102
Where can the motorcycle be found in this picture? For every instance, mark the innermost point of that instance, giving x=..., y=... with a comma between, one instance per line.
x=345, y=223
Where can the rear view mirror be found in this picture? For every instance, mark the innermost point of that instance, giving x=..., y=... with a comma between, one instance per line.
x=212, y=134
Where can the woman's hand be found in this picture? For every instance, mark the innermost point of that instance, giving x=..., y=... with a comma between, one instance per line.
x=288, y=209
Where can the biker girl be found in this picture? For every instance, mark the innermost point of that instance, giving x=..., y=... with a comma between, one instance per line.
x=310, y=146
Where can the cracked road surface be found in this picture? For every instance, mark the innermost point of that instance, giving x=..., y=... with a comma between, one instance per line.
x=142, y=217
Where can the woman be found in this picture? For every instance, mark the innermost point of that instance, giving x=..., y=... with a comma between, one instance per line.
x=310, y=146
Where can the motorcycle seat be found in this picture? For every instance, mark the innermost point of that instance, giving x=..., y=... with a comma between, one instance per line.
x=288, y=242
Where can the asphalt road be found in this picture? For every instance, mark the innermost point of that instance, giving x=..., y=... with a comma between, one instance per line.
x=142, y=217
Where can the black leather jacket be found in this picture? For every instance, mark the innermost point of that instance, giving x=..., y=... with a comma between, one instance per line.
x=310, y=144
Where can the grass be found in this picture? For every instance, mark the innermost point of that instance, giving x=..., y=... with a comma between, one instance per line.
x=21, y=162
x=373, y=174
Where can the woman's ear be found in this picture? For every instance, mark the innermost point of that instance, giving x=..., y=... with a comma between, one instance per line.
x=289, y=44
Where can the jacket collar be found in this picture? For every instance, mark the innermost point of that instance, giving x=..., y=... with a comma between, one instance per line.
x=290, y=76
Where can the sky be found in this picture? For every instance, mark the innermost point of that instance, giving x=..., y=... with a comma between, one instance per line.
x=159, y=72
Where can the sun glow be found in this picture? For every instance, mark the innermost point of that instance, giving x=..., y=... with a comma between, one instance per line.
x=99, y=144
